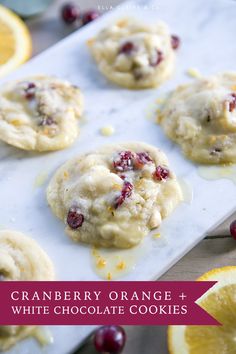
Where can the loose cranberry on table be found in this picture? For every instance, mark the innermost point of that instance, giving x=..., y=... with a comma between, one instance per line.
x=175, y=41
x=89, y=16
x=161, y=173
x=110, y=339
x=70, y=13
x=74, y=218
x=233, y=229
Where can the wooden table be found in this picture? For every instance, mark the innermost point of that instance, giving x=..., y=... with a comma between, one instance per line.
x=216, y=250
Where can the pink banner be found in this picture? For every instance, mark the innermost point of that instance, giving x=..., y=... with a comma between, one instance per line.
x=101, y=303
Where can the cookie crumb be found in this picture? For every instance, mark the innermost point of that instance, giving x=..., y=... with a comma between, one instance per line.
x=193, y=72
x=108, y=130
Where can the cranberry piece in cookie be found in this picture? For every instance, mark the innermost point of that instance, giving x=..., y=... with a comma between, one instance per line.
x=30, y=91
x=125, y=193
x=46, y=121
x=161, y=173
x=232, y=102
x=124, y=161
x=157, y=58
x=142, y=158
x=74, y=218
x=127, y=48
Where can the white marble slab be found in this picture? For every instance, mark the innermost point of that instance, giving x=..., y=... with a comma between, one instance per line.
x=207, y=30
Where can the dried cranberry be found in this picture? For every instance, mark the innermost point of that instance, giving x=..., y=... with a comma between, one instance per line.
x=74, y=218
x=124, y=161
x=175, y=41
x=127, y=48
x=157, y=59
x=122, y=177
x=46, y=121
x=142, y=158
x=233, y=229
x=30, y=91
x=90, y=16
x=125, y=193
x=161, y=173
x=109, y=339
x=232, y=102
x=70, y=13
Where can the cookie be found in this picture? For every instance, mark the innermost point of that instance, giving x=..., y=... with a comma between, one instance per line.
x=40, y=113
x=134, y=55
x=114, y=196
x=21, y=258
x=201, y=118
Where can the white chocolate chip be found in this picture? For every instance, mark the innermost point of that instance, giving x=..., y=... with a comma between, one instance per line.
x=108, y=130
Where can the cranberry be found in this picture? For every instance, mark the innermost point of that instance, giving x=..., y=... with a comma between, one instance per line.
x=175, y=41
x=110, y=339
x=125, y=193
x=233, y=229
x=46, y=121
x=30, y=91
x=124, y=161
x=74, y=218
x=70, y=13
x=142, y=158
x=90, y=16
x=127, y=48
x=122, y=177
x=161, y=173
x=157, y=59
x=232, y=102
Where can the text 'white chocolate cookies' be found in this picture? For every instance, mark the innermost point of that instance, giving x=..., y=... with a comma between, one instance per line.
x=114, y=196
x=201, y=118
x=40, y=113
x=21, y=258
x=135, y=55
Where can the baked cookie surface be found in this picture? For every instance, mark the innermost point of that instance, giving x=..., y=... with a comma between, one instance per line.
x=201, y=118
x=135, y=55
x=40, y=113
x=114, y=196
x=21, y=258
